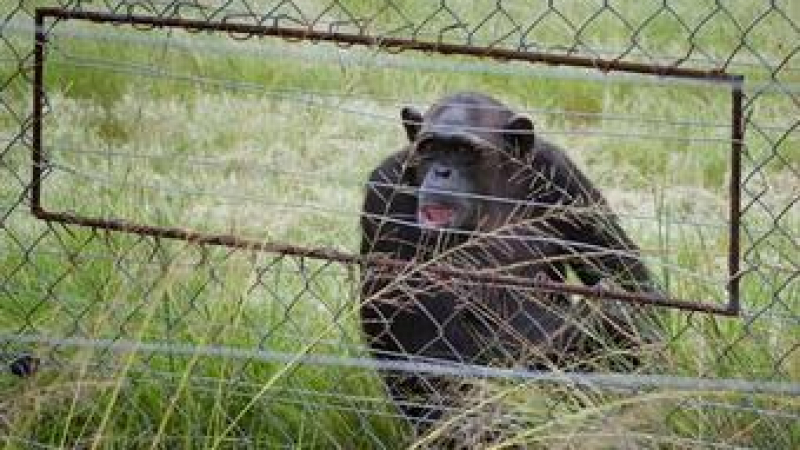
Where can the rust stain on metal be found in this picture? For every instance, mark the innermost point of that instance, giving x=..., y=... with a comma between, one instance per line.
x=393, y=267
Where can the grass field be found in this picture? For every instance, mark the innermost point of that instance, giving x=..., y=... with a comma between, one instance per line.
x=272, y=140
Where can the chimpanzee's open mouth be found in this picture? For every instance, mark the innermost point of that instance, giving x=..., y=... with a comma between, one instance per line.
x=436, y=215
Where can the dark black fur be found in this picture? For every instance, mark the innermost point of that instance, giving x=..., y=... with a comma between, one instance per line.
x=563, y=224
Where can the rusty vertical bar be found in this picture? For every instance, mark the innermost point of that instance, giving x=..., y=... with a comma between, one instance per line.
x=737, y=142
x=38, y=92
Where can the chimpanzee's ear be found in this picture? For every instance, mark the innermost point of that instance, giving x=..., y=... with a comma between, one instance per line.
x=519, y=134
x=412, y=121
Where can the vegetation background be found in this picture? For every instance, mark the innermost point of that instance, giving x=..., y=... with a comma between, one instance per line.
x=162, y=344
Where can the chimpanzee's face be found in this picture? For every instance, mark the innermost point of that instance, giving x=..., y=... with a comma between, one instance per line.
x=457, y=152
x=448, y=173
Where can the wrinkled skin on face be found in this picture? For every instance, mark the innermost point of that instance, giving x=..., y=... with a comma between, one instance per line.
x=446, y=195
x=455, y=154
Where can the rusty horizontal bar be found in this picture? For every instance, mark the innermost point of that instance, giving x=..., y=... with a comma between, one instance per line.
x=398, y=266
x=386, y=42
x=447, y=273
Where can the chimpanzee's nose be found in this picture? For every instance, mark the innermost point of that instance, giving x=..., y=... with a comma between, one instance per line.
x=442, y=173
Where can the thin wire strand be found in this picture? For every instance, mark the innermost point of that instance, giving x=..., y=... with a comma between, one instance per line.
x=676, y=269
x=751, y=315
x=633, y=382
x=350, y=182
x=326, y=54
x=311, y=100
x=401, y=61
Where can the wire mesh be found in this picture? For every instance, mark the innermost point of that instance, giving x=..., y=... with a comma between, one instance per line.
x=142, y=340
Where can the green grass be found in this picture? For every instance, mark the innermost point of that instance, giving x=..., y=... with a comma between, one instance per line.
x=214, y=135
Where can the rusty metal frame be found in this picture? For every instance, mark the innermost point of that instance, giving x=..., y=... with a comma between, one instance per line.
x=732, y=308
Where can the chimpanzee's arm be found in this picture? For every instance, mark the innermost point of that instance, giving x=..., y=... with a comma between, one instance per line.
x=582, y=218
x=609, y=253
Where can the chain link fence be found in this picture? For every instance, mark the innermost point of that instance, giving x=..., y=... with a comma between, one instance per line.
x=180, y=198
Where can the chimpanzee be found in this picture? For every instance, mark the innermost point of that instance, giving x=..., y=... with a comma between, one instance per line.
x=476, y=190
